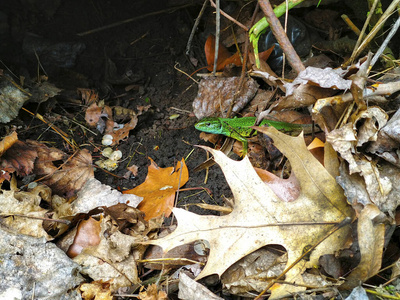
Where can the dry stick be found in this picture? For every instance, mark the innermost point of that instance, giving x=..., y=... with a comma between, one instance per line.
x=217, y=33
x=352, y=26
x=230, y=18
x=346, y=221
x=286, y=20
x=154, y=13
x=364, y=29
x=196, y=24
x=34, y=218
x=177, y=192
x=281, y=37
x=374, y=30
x=55, y=128
x=385, y=42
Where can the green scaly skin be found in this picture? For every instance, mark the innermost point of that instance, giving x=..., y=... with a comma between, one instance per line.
x=240, y=128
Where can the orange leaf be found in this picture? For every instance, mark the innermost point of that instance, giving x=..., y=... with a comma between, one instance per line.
x=265, y=54
x=92, y=114
x=7, y=142
x=224, y=57
x=158, y=190
x=317, y=149
x=89, y=96
x=234, y=59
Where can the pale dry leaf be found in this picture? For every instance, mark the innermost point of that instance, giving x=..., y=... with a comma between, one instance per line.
x=190, y=289
x=353, y=186
x=95, y=194
x=96, y=291
x=152, y=293
x=259, y=217
x=388, y=141
x=373, y=119
x=325, y=78
x=371, y=238
x=249, y=273
x=377, y=185
x=358, y=293
x=345, y=139
x=113, y=258
x=25, y=204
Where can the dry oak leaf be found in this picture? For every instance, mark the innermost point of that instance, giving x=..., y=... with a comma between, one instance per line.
x=158, y=190
x=371, y=239
x=19, y=158
x=72, y=175
x=260, y=217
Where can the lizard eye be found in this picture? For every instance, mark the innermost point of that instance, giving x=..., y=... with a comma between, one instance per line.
x=208, y=124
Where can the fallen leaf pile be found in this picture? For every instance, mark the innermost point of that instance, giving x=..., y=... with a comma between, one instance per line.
x=260, y=217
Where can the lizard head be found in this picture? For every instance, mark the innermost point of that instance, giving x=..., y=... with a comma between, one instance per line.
x=210, y=125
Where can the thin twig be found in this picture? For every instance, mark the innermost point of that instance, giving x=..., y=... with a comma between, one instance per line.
x=154, y=13
x=385, y=42
x=352, y=26
x=385, y=16
x=217, y=35
x=55, y=128
x=362, y=33
x=230, y=18
x=196, y=24
x=277, y=29
x=35, y=218
x=183, y=72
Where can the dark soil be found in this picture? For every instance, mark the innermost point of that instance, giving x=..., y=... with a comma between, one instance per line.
x=147, y=49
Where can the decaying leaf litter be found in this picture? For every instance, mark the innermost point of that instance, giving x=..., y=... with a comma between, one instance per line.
x=317, y=222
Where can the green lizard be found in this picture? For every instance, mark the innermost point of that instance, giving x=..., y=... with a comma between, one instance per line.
x=240, y=128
